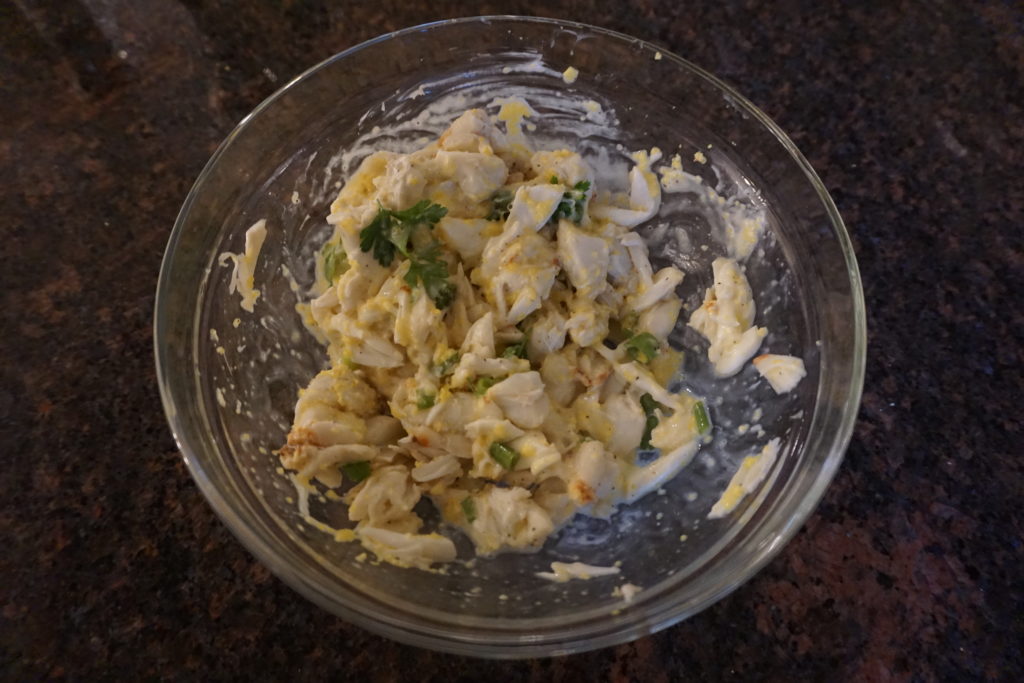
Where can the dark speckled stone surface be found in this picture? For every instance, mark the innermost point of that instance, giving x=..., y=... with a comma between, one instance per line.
x=114, y=566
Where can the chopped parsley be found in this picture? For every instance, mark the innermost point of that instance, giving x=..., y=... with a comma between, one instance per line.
x=501, y=204
x=469, y=509
x=504, y=455
x=390, y=231
x=649, y=405
x=357, y=471
x=430, y=270
x=642, y=347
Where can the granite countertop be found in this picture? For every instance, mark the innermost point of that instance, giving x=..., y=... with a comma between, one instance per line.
x=114, y=564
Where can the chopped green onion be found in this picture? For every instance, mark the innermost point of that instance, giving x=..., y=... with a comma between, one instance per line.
x=516, y=349
x=700, y=414
x=571, y=204
x=649, y=405
x=426, y=400
x=642, y=347
x=357, y=471
x=446, y=366
x=503, y=455
x=334, y=261
x=554, y=180
x=483, y=384
x=469, y=509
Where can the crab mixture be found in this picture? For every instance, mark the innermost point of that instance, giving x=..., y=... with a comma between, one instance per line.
x=498, y=345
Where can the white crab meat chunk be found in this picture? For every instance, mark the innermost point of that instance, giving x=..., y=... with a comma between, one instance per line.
x=532, y=206
x=442, y=466
x=376, y=352
x=465, y=236
x=536, y=453
x=638, y=256
x=620, y=265
x=660, y=319
x=519, y=266
x=417, y=324
x=322, y=463
x=521, y=397
x=726, y=319
x=782, y=372
x=484, y=432
x=547, y=334
x=359, y=283
x=675, y=429
x=477, y=175
x=402, y=184
x=627, y=421
x=507, y=519
x=559, y=375
x=644, y=382
x=588, y=321
x=584, y=258
x=331, y=425
x=472, y=366
x=663, y=284
x=383, y=429
x=752, y=471
x=385, y=499
x=644, y=194
x=242, y=277
x=473, y=132
x=594, y=477
x=480, y=337
x=407, y=549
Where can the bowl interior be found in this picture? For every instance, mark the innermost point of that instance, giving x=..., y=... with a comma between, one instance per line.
x=230, y=378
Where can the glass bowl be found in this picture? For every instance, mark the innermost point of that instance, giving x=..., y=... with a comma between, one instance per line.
x=229, y=379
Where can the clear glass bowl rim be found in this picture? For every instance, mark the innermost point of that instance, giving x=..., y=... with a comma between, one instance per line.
x=516, y=644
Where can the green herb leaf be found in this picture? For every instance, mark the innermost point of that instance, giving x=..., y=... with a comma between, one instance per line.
x=501, y=204
x=642, y=347
x=377, y=237
x=469, y=509
x=426, y=400
x=430, y=270
x=423, y=212
x=334, y=261
x=700, y=414
x=649, y=405
x=482, y=384
x=572, y=202
x=516, y=349
x=390, y=230
x=446, y=366
x=503, y=455
x=357, y=471
x=554, y=180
